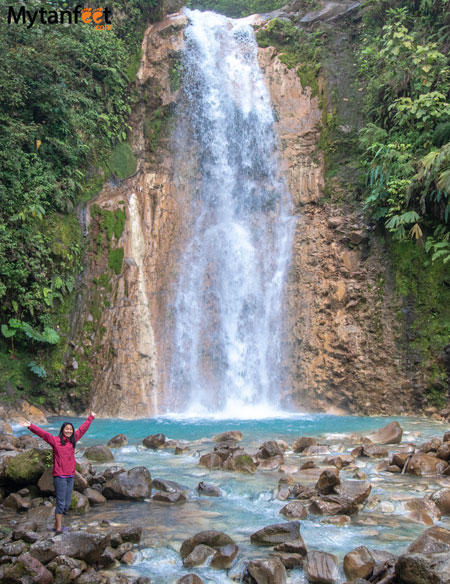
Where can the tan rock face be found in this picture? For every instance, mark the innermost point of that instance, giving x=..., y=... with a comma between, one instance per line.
x=341, y=339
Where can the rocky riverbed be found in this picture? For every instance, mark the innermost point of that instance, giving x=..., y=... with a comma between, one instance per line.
x=392, y=492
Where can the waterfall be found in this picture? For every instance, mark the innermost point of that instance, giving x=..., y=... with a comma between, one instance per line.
x=227, y=350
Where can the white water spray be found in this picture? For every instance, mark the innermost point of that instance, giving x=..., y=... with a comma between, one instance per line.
x=227, y=350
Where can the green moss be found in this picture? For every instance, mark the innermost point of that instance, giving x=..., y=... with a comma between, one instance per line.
x=27, y=467
x=123, y=162
x=110, y=222
x=176, y=74
x=133, y=66
x=156, y=126
x=425, y=289
x=244, y=463
x=116, y=260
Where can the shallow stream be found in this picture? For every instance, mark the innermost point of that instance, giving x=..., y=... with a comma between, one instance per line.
x=249, y=500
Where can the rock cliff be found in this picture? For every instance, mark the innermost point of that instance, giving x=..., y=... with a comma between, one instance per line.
x=343, y=350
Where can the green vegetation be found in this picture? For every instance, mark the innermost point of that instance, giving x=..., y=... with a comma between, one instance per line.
x=123, y=162
x=403, y=61
x=65, y=97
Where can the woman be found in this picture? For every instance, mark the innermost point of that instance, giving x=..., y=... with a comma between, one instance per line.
x=64, y=462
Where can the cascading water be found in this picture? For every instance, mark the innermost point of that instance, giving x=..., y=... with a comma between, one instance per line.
x=228, y=307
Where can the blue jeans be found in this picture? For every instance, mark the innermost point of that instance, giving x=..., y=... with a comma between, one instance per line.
x=63, y=491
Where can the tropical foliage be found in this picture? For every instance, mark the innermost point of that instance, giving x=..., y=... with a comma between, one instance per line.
x=65, y=97
x=404, y=61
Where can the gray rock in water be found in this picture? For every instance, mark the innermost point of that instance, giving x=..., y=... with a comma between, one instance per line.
x=295, y=546
x=170, y=487
x=423, y=569
x=117, y=441
x=442, y=499
x=276, y=534
x=174, y=497
x=294, y=510
x=94, y=497
x=356, y=491
x=433, y=540
x=321, y=567
x=389, y=434
x=99, y=453
x=198, y=556
x=269, y=571
x=154, y=441
x=224, y=557
x=333, y=505
x=303, y=442
x=190, y=579
x=328, y=479
x=208, y=490
x=235, y=435
x=211, y=538
x=134, y=484
x=358, y=563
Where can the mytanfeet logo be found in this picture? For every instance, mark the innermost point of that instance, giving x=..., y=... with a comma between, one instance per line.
x=99, y=18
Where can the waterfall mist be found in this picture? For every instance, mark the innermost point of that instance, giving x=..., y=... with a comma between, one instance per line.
x=227, y=312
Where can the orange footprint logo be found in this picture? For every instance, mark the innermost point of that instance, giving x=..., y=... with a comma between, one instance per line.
x=86, y=15
x=97, y=15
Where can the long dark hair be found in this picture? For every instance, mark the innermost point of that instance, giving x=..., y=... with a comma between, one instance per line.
x=63, y=438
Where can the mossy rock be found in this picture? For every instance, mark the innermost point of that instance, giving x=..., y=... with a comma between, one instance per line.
x=79, y=503
x=244, y=463
x=27, y=467
x=99, y=454
x=123, y=162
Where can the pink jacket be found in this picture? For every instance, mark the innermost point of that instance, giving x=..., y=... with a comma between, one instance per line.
x=63, y=456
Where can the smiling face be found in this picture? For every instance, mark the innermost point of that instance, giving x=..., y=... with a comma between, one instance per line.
x=68, y=431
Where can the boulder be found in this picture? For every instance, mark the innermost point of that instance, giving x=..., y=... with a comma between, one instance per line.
x=316, y=450
x=390, y=434
x=211, y=538
x=423, y=569
x=340, y=461
x=206, y=490
x=154, y=441
x=211, y=461
x=269, y=449
x=443, y=451
x=321, y=567
x=339, y=520
x=45, y=483
x=358, y=563
x=190, y=579
x=224, y=557
x=79, y=503
x=303, y=442
x=374, y=451
x=235, y=435
x=12, y=549
x=441, y=498
x=27, y=570
x=80, y=483
x=198, y=556
x=424, y=504
x=276, y=534
x=9, y=442
x=269, y=571
x=240, y=463
x=174, y=497
x=16, y=502
x=271, y=463
x=333, y=505
x=328, y=479
x=294, y=546
x=356, y=491
x=42, y=516
x=135, y=484
x=131, y=534
x=117, y=441
x=432, y=540
x=294, y=510
x=27, y=467
x=94, y=497
x=99, y=453
x=289, y=561
x=300, y=491
x=425, y=465
x=170, y=487
x=81, y=545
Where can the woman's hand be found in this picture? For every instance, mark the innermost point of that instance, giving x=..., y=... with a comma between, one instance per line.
x=92, y=414
x=25, y=423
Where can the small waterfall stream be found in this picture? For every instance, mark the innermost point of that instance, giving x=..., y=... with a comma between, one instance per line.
x=227, y=346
